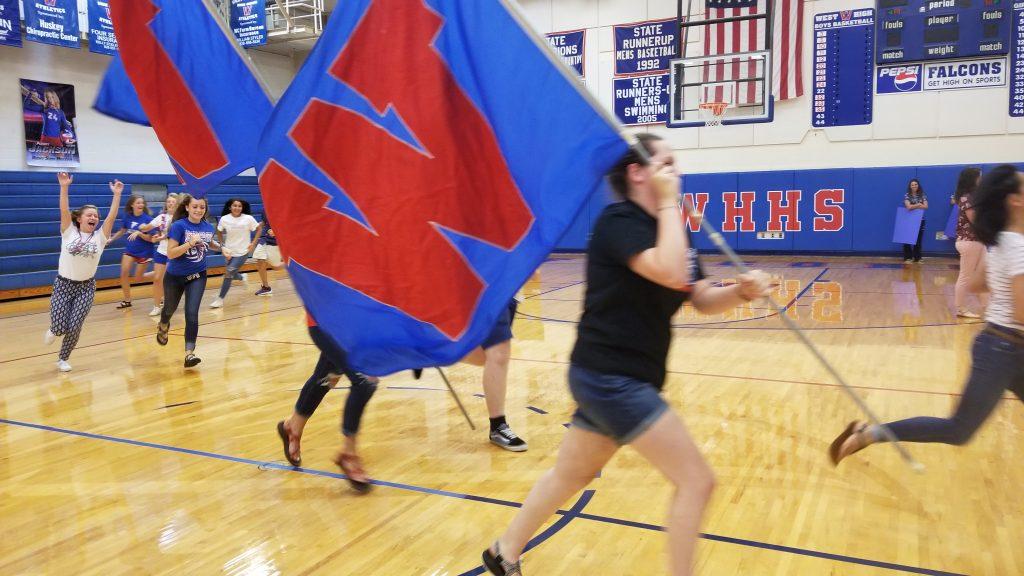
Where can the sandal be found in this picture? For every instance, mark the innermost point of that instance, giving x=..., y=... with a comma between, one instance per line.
x=191, y=360
x=161, y=333
x=498, y=565
x=124, y=304
x=835, y=449
x=286, y=439
x=352, y=467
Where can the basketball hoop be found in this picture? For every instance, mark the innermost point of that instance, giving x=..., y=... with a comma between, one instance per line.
x=712, y=113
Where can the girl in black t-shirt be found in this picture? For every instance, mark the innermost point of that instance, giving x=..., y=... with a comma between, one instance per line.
x=640, y=270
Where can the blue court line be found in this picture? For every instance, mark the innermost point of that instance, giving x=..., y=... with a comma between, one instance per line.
x=539, y=539
x=433, y=491
x=535, y=409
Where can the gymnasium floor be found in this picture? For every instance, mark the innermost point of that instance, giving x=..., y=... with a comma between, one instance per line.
x=129, y=465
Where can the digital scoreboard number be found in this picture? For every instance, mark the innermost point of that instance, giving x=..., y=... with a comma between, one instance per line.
x=916, y=30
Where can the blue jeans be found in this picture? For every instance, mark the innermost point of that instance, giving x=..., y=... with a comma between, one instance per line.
x=333, y=360
x=192, y=287
x=619, y=407
x=234, y=263
x=998, y=365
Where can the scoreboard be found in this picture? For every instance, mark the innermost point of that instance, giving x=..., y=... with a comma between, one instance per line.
x=916, y=30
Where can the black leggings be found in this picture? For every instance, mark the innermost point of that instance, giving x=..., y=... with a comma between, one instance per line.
x=333, y=360
x=914, y=250
x=192, y=286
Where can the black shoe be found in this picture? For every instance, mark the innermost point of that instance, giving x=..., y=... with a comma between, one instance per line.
x=417, y=373
x=191, y=360
x=498, y=565
x=505, y=438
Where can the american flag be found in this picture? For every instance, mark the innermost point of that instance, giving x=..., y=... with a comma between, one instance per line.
x=747, y=35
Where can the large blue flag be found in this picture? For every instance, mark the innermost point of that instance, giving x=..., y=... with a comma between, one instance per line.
x=420, y=167
x=193, y=84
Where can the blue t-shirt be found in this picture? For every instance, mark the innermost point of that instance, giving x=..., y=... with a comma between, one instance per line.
x=53, y=122
x=138, y=247
x=266, y=238
x=194, y=260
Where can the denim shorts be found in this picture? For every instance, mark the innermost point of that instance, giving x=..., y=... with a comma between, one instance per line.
x=502, y=331
x=619, y=407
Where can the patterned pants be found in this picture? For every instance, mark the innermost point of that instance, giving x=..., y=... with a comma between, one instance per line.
x=69, y=305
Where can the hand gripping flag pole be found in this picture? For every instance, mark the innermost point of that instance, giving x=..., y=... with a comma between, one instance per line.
x=738, y=264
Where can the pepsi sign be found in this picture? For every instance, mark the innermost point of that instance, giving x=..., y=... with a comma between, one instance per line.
x=898, y=79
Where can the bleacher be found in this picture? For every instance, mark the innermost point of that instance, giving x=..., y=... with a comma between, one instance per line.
x=30, y=222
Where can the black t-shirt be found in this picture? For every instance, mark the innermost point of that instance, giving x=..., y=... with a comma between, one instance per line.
x=627, y=319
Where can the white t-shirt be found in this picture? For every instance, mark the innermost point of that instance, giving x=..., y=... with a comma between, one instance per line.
x=1005, y=260
x=162, y=223
x=80, y=253
x=237, y=232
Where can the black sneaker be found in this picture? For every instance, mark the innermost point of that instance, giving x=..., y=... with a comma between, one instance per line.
x=191, y=360
x=264, y=291
x=499, y=566
x=505, y=438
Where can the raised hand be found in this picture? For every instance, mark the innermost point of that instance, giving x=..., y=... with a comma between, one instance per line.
x=116, y=187
x=64, y=179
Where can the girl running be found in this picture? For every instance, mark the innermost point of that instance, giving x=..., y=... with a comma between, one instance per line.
x=998, y=353
x=332, y=364
x=138, y=248
x=640, y=270
x=235, y=233
x=159, y=227
x=82, y=243
x=189, y=241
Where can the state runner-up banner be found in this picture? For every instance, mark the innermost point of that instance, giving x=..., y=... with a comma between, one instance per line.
x=10, y=23
x=48, y=110
x=908, y=223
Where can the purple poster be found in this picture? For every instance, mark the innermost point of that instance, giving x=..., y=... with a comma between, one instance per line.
x=908, y=222
x=954, y=215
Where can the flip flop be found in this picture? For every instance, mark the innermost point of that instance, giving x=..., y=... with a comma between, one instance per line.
x=161, y=333
x=286, y=440
x=837, y=444
x=351, y=466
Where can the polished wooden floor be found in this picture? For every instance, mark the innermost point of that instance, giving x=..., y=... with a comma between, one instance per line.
x=130, y=465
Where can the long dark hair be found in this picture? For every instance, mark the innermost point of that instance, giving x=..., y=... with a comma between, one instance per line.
x=920, y=189
x=182, y=210
x=131, y=200
x=990, y=202
x=76, y=214
x=227, y=206
x=967, y=183
x=617, y=175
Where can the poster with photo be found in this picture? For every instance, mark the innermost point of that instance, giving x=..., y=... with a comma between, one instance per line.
x=48, y=110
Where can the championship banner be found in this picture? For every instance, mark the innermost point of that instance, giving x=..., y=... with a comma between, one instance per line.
x=101, y=28
x=249, y=21
x=49, y=112
x=571, y=46
x=10, y=23
x=52, y=22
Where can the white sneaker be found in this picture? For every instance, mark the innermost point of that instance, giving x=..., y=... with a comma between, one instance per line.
x=967, y=314
x=49, y=337
x=156, y=311
x=63, y=366
x=243, y=277
x=217, y=303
